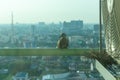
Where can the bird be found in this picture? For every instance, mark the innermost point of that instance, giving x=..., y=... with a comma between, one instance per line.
x=63, y=42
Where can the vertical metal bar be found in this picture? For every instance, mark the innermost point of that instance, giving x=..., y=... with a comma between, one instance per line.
x=100, y=25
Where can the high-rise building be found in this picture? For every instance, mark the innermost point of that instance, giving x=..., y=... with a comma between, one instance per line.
x=33, y=36
x=73, y=27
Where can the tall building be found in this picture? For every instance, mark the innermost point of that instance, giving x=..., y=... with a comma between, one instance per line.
x=33, y=36
x=72, y=28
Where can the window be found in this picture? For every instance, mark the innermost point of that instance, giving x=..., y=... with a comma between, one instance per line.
x=29, y=36
x=39, y=24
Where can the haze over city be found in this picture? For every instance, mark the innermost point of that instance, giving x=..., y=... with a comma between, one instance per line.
x=32, y=11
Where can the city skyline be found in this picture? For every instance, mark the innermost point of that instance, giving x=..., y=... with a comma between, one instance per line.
x=32, y=11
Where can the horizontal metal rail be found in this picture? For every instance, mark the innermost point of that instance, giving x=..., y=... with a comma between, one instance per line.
x=43, y=52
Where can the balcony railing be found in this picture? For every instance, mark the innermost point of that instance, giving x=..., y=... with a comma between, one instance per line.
x=43, y=52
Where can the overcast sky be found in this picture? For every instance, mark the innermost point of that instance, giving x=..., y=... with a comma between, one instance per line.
x=33, y=11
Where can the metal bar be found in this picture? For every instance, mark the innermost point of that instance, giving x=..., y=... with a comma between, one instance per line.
x=44, y=52
x=100, y=25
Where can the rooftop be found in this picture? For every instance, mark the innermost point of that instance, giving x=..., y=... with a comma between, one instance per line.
x=21, y=74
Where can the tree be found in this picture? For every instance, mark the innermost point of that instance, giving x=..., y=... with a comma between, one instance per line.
x=103, y=57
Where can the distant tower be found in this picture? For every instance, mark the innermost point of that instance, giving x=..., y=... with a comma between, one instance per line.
x=12, y=28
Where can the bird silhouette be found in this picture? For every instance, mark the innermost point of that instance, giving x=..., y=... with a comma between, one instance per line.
x=63, y=42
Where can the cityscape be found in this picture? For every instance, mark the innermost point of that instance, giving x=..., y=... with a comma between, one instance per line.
x=46, y=36
x=48, y=68
x=59, y=40
x=43, y=35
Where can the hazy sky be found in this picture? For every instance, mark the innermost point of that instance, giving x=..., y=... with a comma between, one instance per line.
x=33, y=11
